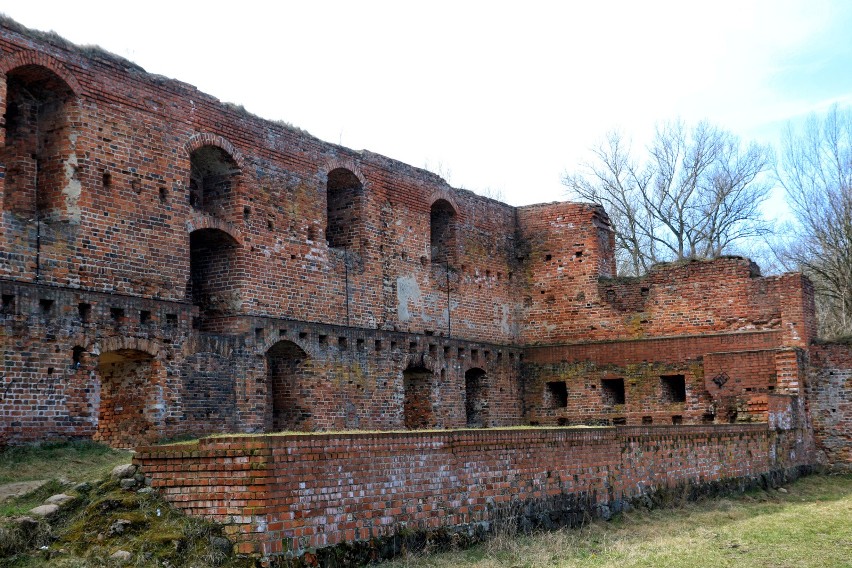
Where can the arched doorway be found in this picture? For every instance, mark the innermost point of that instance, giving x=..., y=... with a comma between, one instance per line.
x=343, y=194
x=213, y=180
x=128, y=414
x=475, y=401
x=287, y=365
x=38, y=142
x=417, y=406
x=213, y=285
x=442, y=232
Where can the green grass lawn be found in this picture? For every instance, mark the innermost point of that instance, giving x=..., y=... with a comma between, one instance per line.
x=809, y=526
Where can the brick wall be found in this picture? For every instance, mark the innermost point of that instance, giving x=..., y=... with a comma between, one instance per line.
x=829, y=394
x=286, y=494
x=242, y=275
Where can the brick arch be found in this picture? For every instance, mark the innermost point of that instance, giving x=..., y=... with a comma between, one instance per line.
x=447, y=196
x=22, y=58
x=209, y=139
x=345, y=163
x=202, y=221
x=149, y=346
x=264, y=347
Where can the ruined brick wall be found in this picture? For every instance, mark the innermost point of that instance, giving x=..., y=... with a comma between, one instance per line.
x=72, y=360
x=136, y=203
x=727, y=377
x=829, y=394
x=573, y=294
x=284, y=495
x=250, y=277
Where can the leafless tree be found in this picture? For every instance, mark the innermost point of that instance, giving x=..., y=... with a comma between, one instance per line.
x=694, y=193
x=816, y=172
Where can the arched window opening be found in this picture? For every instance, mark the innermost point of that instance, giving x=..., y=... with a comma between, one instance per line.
x=127, y=413
x=475, y=402
x=38, y=142
x=287, y=368
x=443, y=232
x=213, y=285
x=344, y=195
x=213, y=178
x=418, y=383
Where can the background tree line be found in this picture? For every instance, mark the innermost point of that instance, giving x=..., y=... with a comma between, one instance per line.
x=697, y=191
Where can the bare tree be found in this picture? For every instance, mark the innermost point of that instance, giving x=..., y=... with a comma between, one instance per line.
x=816, y=172
x=695, y=193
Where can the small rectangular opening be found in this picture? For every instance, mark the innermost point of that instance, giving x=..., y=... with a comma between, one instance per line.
x=8, y=303
x=282, y=332
x=677, y=419
x=84, y=310
x=259, y=332
x=341, y=342
x=556, y=394
x=45, y=305
x=144, y=316
x=322, y=339
x=117, y=314
x=171, y=320
x=446, y=351
x=647, y=420
x=393, y=345
x=359, y=343
x=412, y=346
x=612, y=391
x=708, y=418
x=303, y=335
x=474, y=354
x=619, y=421
x=378, y=345
x=433, y=349
x=673, y=388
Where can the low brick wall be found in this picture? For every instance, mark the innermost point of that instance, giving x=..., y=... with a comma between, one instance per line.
x=288, y=494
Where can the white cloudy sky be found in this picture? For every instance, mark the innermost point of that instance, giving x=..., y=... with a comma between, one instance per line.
x=495, y=95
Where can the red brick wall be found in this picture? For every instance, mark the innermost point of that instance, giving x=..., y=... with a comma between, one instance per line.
x=568, y=300
x=120, y=226
x=829, y=394
x=285, y=494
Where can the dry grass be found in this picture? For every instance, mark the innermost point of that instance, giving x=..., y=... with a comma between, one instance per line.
x=74, y=461
x=810, y=526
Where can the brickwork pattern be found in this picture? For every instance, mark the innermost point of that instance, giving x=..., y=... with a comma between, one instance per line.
x=285, y=494
x=830, y=397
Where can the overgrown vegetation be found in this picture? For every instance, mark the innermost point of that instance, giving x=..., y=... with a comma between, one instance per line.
x=75, y=461
x=108, y=519
x=101, y=519
x=808, y=526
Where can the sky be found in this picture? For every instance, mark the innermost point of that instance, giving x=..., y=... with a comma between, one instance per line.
x=501, y=98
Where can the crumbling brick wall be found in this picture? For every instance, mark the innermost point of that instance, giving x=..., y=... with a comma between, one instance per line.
x=210, y=236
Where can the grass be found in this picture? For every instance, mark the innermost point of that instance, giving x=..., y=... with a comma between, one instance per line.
x=102, y=519
x=74, y=461
x=809, y=526
x=20, y=505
